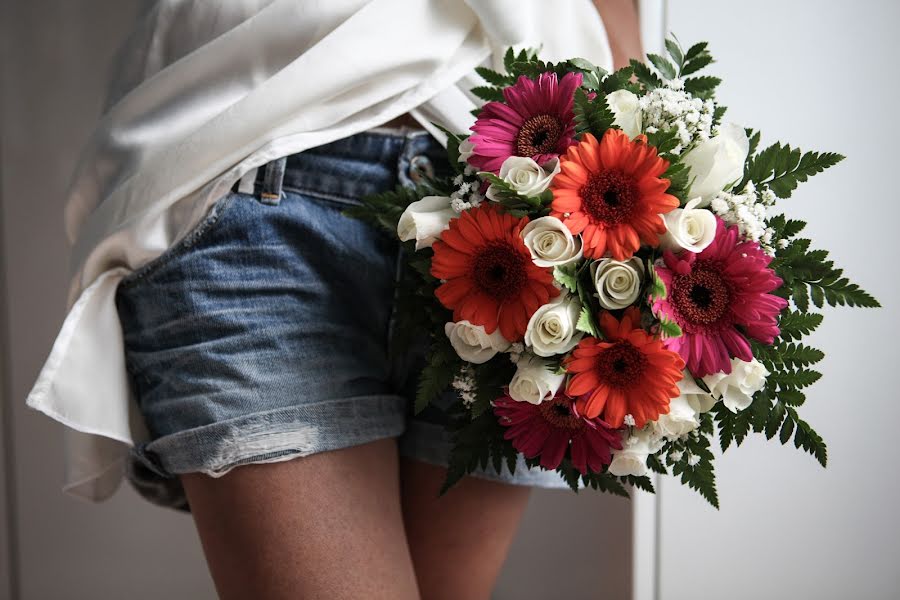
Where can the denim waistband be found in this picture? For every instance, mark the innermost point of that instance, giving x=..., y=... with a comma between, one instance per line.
x=356, y=166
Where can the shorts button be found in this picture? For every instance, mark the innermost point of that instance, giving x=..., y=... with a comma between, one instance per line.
x=420, y=169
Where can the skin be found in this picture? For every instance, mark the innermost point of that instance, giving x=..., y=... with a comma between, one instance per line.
x=360, y=522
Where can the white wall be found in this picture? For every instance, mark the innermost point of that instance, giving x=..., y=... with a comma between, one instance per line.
x=821, y=75
x=55, y=57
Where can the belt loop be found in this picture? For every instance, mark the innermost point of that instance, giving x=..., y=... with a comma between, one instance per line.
x=273, y=179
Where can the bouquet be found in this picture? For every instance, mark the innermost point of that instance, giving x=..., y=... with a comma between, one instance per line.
x=603, y=279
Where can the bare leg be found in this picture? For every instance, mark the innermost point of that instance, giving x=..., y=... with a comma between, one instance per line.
x=460, y=540
x=326, y=526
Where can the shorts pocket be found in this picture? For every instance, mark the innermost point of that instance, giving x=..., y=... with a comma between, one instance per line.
x=190, y=240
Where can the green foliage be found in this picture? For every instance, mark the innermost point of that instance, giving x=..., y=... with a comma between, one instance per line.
x=383, y=210
x=442, y=365
x=701, y=475
x=488, y=93
x=586, y=322
x=669, y=329
x=781, y=167
x=477, y=443
x=567, y=276
x=808, y=275
x=702, y=87
x=644, y=75
x=593, y=117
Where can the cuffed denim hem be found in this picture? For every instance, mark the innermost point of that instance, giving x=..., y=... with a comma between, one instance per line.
x=265, y=437
x=430, y=443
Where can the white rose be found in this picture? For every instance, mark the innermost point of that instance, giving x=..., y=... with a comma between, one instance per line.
x=689, y=228
x=736, y=389
x=551, y=329
x=718, y=162
x=526, y=176
x=424, y=220
x=534, y=382
x=684, y=411
x=618, y=283
x=472, y=343
x=636, y=447
x=466, y=149
x=627, y=110
x=550, y=242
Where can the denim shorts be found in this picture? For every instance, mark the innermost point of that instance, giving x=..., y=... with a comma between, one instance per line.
x=265, y=333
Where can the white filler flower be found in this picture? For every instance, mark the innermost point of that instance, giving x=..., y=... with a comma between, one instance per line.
x=618, y=283
x=736, y=389
x=718, y=163
x=550, y=242
x=534, y=382
x=424, y=220
x=525, y=176
x=689, y=228
x=626, y=107
x=551, y=329
x=472, y=343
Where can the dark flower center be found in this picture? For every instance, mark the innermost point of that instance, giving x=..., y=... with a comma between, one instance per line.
x=701, y=297
x=500, y=270
x=609, y=197
x=621, y=365
x=538, y=135
x=558, y=413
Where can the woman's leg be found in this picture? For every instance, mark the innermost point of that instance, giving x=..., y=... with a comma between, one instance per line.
x=458, y=541
x=325, y=526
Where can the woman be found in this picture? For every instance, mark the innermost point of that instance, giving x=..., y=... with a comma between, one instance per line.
x=229, y=334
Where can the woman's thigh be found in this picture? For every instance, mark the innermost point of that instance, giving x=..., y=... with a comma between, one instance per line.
x=325, y=526
x=458, y=541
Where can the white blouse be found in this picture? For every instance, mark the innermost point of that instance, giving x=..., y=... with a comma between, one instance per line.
x=207, y=91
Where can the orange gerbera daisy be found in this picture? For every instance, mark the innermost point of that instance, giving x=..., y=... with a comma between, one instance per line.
x=490, y=277
x=611, y=193
x=627, y=373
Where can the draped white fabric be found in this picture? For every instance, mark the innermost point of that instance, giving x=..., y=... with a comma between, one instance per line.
x=207, y=91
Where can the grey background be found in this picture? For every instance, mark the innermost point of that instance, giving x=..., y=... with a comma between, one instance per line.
x=55, y=60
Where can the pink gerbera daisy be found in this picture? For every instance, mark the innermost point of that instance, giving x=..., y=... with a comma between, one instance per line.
x=536, y=120
x=550, y=428
x=720, y=297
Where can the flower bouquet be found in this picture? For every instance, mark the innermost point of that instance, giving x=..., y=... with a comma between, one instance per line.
x=603, y=280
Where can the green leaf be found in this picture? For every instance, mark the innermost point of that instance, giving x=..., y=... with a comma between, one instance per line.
x=566, y=275
x=696, y=63
x=794, y=324
x=696, y=50
x=493, y=77
x=669, y=329
x=644, y=75
x=586, y=322
x=488, y=94
x=594, y=117
x=702, y=87
x=780, y=168
x=443, y=365
x=663, y=65
x=675, y=51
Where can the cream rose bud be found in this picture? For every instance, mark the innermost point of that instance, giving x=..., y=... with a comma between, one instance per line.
x=689, y=228
x=627, y=110
x=472, y=343
x=682, y=418
x=718, y=163
x=551, y=329
x=636, y=447
x=424, y=220
x=550, y=242
x=618, y=283
x=736, y=389
x=534, y=382
x=525, y=176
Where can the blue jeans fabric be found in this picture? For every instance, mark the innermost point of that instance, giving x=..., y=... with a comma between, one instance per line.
x=264, y=334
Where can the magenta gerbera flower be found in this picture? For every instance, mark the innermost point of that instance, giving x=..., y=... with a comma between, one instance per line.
x=550, y=428
x=536, y=121
x=719, y=298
